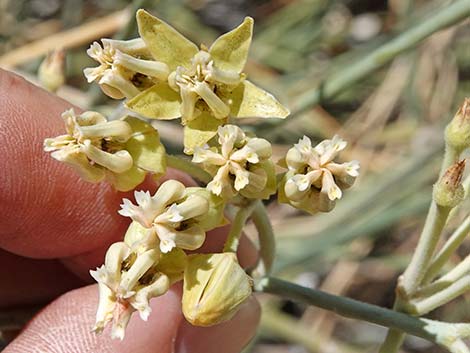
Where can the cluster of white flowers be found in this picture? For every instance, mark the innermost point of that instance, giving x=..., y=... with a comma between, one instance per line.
x=122, y=71
x=236, y=164
x=170, y=214
x=92, y=145
x=314, y=181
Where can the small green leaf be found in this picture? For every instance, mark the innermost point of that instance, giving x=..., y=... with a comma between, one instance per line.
x=230, y=50
x=200, y=130
x=145, y=147
x=157, y=102
x=126, y=181
x=164, y=42
x=250, y=101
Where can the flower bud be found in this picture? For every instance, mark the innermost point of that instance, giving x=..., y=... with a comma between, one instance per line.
x=448, y=191
x=457, y=132
x=51, y=71
x=214, y=287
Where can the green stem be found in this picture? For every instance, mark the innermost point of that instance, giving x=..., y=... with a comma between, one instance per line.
x=445, y=334
x=267, y=243
x=233, y=238
x=422, y=256
x=185, y=165
x=424, y=306
x=414, y=274
x=462, y=269
x=447, y=250
x=337, y=82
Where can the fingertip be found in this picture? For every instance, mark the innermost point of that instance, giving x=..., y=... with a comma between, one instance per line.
x=233, y=334
x=65, y=326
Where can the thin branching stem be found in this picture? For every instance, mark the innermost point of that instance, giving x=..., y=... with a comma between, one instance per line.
x=267, y=243
x=444, y=334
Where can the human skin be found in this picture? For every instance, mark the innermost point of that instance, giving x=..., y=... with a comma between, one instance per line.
x=54, y=228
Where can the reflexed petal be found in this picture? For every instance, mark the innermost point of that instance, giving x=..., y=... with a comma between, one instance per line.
x=80, y=163
x=157, y=102
x=164, y=42
x=230, y=50
x=200, y=130
x=150, y=68
x=249, y=101
x=145, y=147
x=127, y=180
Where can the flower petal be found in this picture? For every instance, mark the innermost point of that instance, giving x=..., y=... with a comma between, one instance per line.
x=145, y=147
x=249, y=101
x=230, y=50
x=200, y=130
x=128, y=180
x=157, y=102
x=164, y=42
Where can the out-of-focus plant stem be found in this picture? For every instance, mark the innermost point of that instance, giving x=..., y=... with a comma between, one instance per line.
x=267, y=244
x=447, y=335
x=341, y=79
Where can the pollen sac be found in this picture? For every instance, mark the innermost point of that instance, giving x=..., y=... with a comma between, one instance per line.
x=117, y=151
x=239, y=164
x=176, y=216
x=214, y=288
x=314, y=181
x=125, y=67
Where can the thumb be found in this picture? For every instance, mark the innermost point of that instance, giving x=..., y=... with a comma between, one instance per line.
x=65, y=326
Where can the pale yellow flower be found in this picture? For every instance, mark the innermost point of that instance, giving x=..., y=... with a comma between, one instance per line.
x=120, y=151
x=124, y=70
x=239, y=164
x=134, y=272
x=314, y=181
x=206, y=85
x=175, y=215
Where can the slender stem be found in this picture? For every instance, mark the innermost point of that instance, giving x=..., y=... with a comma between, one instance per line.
x=445, y=334
x=447, y=250
x=462, y=269
x=424, y=306
x=393, y=341
x=267, y=242
x=422, y=256
x=233, y=238
x=185, y=165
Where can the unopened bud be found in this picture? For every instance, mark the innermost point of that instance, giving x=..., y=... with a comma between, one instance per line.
x=214, y=287
x=457, y=133
x=51, y=71
x=448, y=191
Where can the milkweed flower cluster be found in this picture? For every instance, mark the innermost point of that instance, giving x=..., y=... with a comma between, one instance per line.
x=314, y=181
x=163, y=75
x=239, y=164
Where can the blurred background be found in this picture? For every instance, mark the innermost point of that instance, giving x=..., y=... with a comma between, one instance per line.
x=392, y=117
